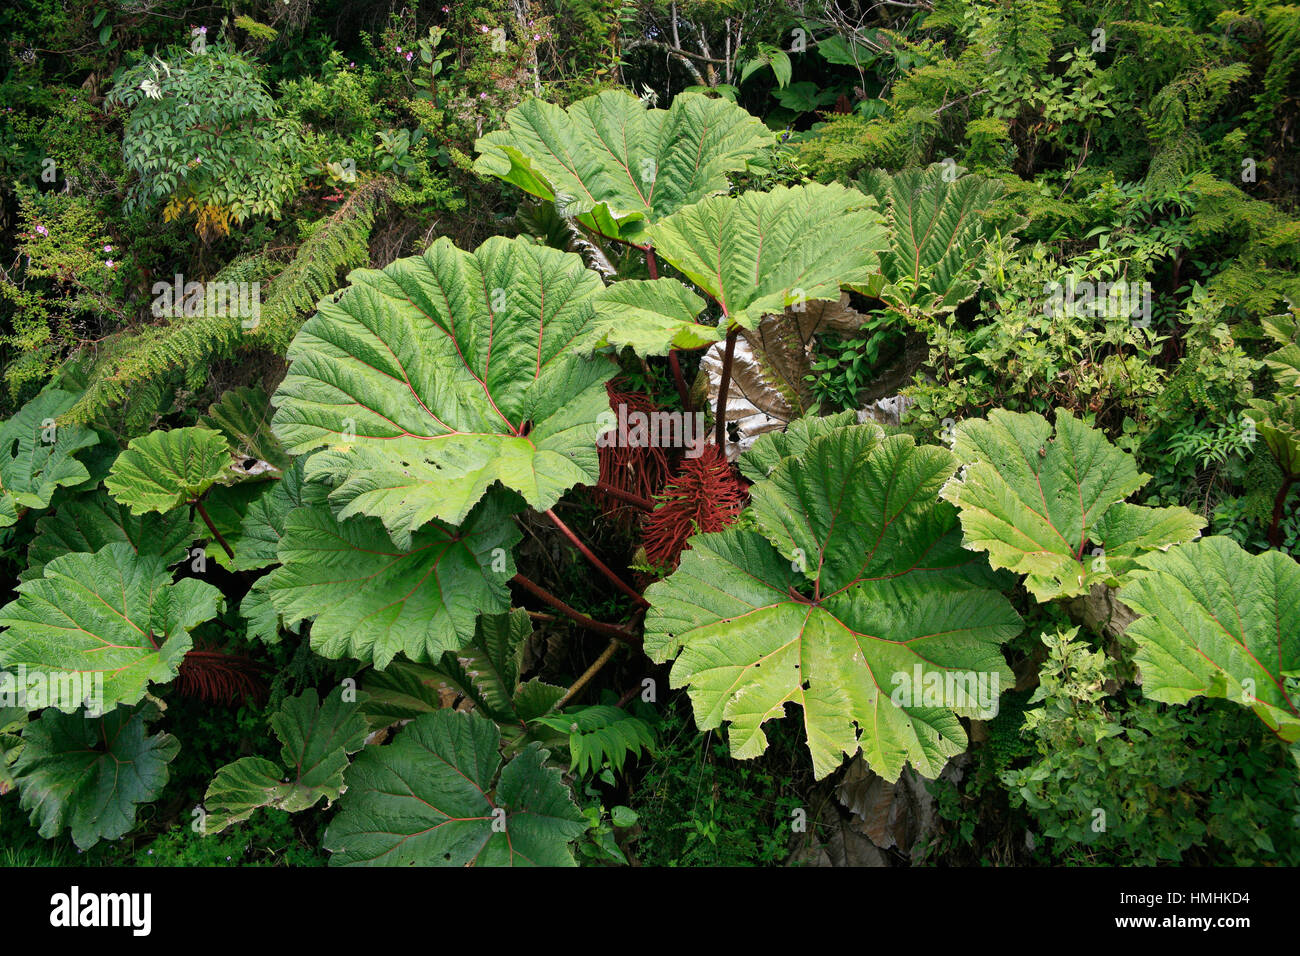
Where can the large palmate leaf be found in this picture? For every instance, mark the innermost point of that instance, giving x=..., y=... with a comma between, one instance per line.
x=1036, y=503
x=1220, y=622
x=437, y=796
x=761, y=252
x=262, y=527
x=484, y=673
x=316, y=738
x=114, y=616
x=36, y=455
x=616, y=165
x=89, y=775
x=771, y=447
x=652, y=317
x=370, y=599
x=163, y=470
x=856, y=589
x=89, y=522
x=445, y=373
x=935, y=236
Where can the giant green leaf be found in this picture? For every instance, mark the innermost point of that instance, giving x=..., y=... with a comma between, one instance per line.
x=936, y=236
x=444, y=373
x=370, y=599
x=651, y=317
x=438, y=796
x=1036, y=502
x=89, y=775
x=484, y=672
x=1220, y=622
x=616, y=165
x=316, y=738
x=856, y=585
x=761, y=252
x=36, y=455
x=262, y=527
x=114, y=616
x=771, y=447
x=165, y=469
x=89, y=522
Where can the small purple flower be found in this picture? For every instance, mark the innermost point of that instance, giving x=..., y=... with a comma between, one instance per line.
x=109, y=263
x=108, y=248
x=536, y=37
x=352, y=64
x=482, y=96
x=42, y=230
x=203, y=30
x=446, y=9
x=408, y=57
x=399, y=49
x=483, y=29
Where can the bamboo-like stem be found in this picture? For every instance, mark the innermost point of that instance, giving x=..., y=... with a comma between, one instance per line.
x=598, y=564
x=211, y=527
x=576, y=687
x=600, y=627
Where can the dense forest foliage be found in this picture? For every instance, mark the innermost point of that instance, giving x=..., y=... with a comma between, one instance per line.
x=636, y=432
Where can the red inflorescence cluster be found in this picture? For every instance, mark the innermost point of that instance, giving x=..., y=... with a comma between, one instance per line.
x=220, y=678
x=705, y=495
x=640, y=471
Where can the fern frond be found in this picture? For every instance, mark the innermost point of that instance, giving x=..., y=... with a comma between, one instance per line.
x=133, y=364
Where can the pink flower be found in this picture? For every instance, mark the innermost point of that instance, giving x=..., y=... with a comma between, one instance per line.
x=399, y=49
x=109, y=263
x=446, y=9
x=42, y=230
x=536, y=37
x=483, y=29
x=108, y=248
x=408, y=57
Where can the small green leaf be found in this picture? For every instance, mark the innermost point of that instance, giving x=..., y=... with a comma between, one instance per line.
x=89, y=775
x=316, y=738
x=165, y=469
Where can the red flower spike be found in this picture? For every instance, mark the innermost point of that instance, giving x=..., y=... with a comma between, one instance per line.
x=638, y=471
x=220, y=678
x=705, y=495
